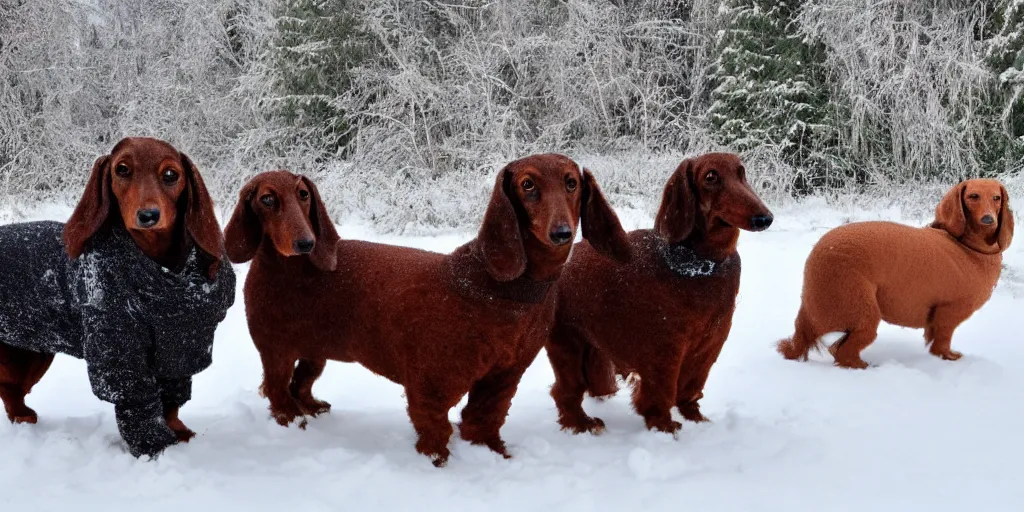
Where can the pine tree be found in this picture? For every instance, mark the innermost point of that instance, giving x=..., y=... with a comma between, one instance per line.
x=1006, y=58
x=320, y=43
x=771, y=89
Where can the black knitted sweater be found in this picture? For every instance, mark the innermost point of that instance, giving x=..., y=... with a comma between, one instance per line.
x=142, y=330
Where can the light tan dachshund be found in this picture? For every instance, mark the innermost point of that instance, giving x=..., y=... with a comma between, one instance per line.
x=933, y=277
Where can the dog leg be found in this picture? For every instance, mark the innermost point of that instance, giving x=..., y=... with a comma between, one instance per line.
x=20, y=370
x=277, y=375
x=487, y=407
x=306, y=373
x=695, y=369
x=567, y=358
x=654, y=397
x=428, y=410
x=846, y=351
x=13, y=397
x=939, y=332
x=183, y=433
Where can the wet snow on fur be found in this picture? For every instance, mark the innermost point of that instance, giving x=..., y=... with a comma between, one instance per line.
x=911, y=433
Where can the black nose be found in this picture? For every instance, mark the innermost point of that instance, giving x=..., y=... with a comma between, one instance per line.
x=304, y=246
x=561, y=234
x=988, y=220
x=147, y=218
x=761, y=221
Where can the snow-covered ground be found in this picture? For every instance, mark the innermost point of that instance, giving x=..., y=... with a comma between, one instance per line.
x=911, y=433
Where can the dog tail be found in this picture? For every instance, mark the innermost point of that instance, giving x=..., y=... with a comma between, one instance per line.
x=599, y=372
x=803, y=340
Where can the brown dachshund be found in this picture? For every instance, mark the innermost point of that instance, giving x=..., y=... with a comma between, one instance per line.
x=138, y=299
x=664, y=316
x=933, y=277
x=439, y=325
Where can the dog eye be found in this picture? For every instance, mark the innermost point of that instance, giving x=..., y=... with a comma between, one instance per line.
x=711, y=177
x=570, y=184
x=169, y=176
x=303, y=194
x=122, y=170
x=528, y=184
x=997, y=198
x=973, y=196
x=268, y=200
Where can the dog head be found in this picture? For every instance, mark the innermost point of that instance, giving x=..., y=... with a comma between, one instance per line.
x=286, y=210
x=977, y=212
x=153, y=190
x=708, y=197
x=536, y=205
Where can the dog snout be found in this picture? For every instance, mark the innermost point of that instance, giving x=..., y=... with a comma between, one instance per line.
x=304, y=246
x=562, y=234
x=760, y=222
x=988, y=220
x=147, y=217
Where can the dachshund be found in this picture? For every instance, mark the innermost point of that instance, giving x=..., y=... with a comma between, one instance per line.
x=132, y=283
x=439, y=325
x=933, y=277
x=665, y=315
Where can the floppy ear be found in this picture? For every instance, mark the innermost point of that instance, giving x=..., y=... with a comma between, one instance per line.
x=200, y=221
x=92, y=209
x=325, y=252
x=949, y=214
x=1005, y=222
x=243, y=234
x=501, y=243
x=678, y=211
x=601, y=226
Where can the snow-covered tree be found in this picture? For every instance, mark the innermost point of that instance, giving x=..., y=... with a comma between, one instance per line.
x=1006, y=57
x=771, y=88
x=912, y=77
x=319, y=44
x=418, y=102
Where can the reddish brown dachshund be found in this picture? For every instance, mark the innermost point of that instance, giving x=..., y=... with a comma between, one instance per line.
x=439, y=325
x=151, y=192
x=664, y=316
x=933, y=277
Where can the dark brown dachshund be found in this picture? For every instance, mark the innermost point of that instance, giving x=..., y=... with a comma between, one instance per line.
x=439, y=325
x=138, y=299
x=665, y=315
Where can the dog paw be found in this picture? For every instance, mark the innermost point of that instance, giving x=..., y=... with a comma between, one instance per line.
x=488, y=437
x=314, y=407
x=854, y=364
x=668, y=426
x=285, y=418
x=184, y=435
x=949, y=355
x=496, y=446
x=25, y=418
x=691, y=411
x=583, y=425
x=23, y=415
x=438, y=460
x=438, y=456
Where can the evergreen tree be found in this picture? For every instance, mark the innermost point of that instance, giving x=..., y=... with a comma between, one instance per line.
x=771, y=89
x=1006, y=58
x=319, y=45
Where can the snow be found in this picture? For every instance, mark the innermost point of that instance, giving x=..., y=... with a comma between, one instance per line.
x=912, y=432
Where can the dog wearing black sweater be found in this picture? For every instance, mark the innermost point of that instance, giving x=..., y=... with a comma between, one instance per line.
x=135, y=284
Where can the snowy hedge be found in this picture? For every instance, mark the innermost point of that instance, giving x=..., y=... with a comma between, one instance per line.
x=403, y=111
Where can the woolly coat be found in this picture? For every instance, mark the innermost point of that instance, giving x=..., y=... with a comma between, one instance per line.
x=142, y=330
